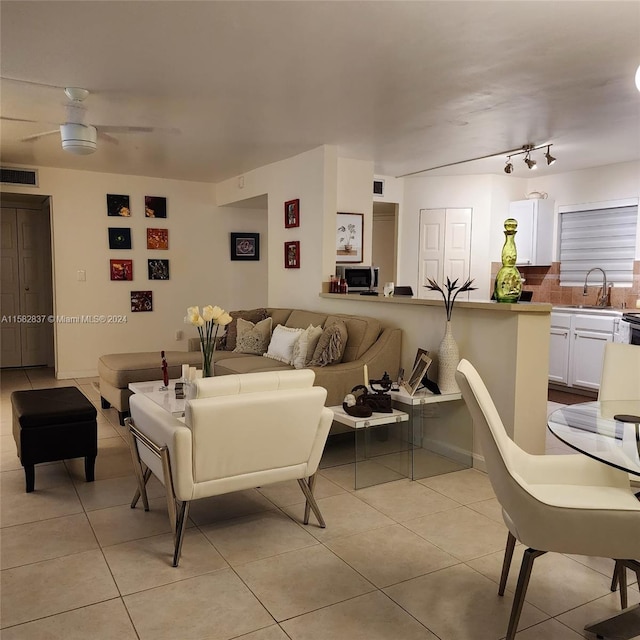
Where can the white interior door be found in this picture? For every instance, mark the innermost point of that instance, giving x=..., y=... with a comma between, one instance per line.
x=445, y=247
x=26, y=256
x=11, y=355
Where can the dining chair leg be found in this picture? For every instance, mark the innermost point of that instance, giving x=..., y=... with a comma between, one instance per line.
x=506, y=563
x=307, y=489
x=614, y=577
x=621, y=572
x=523, y=582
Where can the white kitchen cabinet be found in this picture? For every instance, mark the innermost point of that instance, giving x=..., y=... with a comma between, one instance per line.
x=534, y=237
x=576, y=348
x=559, y=347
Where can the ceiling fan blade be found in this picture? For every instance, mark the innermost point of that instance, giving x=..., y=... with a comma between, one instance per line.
x=35, y=136
x=17, y=119
x=116, y=129
x=107, y=138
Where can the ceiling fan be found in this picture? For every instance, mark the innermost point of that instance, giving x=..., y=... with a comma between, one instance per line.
x=77, y=136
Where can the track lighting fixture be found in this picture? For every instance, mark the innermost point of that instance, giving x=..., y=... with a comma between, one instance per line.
x=549, y=157
x=508, y=167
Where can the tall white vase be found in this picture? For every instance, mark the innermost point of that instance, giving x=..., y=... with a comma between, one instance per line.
x=448, y=358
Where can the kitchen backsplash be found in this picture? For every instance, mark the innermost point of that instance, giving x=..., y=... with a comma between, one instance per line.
x=545, y=284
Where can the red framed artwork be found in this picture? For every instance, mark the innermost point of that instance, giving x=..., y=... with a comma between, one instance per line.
x=292, y=213
x=292, y=255
x=121, y=269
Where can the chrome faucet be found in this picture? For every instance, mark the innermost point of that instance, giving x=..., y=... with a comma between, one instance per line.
x=602, y=298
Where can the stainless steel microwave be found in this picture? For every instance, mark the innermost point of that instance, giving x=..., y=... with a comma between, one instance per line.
x=358, y=278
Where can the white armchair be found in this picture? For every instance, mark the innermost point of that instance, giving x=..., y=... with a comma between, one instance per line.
x=239, y=432
x=564, y=503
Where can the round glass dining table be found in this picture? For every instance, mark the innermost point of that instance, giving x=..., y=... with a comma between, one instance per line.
x=608, y=431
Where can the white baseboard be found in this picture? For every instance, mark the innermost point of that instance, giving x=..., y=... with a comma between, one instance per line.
x=68, y=375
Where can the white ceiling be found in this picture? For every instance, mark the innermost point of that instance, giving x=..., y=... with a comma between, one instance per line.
x=408, y=85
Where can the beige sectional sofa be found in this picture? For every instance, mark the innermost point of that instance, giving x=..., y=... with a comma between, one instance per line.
x=368, y=342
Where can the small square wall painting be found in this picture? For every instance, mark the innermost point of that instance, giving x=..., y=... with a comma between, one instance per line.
x=121, y=269
x=155, y=207
x=119, y=238
x=141, y=301
x=157, y=238
x=158, y=269
x=118, y=205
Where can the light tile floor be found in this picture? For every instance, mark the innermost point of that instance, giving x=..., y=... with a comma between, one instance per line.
x=398, y=561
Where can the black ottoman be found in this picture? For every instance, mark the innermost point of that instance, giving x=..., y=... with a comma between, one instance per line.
x=54, y=424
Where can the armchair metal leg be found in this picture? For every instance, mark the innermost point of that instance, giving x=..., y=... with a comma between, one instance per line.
x=523, y=582
x=181, y=525
x=506, y=563
x=307, y=489
x=141, y=476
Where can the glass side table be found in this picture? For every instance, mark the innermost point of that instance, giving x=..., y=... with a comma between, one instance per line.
x=441, y=432
x=382, y=451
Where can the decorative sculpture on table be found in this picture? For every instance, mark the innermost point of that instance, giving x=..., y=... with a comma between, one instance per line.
x=448, y=355
x=508, y=286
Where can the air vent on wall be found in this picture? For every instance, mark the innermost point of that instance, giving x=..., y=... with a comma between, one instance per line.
x=378, y=187
x=27, y=177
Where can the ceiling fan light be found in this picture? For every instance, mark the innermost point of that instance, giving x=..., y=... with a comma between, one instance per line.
x=79, y=139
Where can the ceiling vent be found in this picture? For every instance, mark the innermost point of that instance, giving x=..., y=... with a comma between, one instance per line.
x=378, y=187
x=26, y=177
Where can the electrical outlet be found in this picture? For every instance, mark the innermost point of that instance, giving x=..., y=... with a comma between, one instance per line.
x=82, y=275
x=179, y=335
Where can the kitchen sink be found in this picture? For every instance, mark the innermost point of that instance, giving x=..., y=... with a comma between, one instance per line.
x=591, y=308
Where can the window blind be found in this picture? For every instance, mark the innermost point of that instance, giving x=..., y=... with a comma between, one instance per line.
x=604, y=238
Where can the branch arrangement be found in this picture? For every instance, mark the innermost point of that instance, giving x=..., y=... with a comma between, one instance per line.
x=452, y=292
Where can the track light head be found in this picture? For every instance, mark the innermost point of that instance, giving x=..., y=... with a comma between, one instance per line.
x=529, y=162
x=508, y=168
x=549, y=157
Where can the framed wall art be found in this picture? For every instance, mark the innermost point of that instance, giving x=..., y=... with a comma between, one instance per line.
x=245, y=246
x=158, y=269
x=292, y=214
x=349, y=237
x=292, y=255
x=141, y=301
x=118, y=205
x=119, y=238
x=157, y=238
x=121, y=269
x=155, y=207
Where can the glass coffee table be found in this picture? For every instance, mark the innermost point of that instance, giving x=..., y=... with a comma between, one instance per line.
x=166, y=398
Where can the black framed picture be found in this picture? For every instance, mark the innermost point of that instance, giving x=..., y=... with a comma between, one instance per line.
x=119, y=238
x=141, y=301
x=155, y=207
x=245, y=246
x=118, y=205
x=158, y=269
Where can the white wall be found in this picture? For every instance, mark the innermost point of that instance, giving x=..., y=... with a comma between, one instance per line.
x=199, y=258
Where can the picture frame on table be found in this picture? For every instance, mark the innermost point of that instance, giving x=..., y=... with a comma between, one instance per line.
x=291, y=214
x=349, y=237
x=292, y=255
x=419, y=371
x=245, y=246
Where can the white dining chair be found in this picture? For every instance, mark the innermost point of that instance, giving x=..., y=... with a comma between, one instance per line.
x=563, y=503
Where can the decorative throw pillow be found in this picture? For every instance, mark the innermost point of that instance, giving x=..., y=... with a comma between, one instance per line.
x=331, y=345
x=304, y=348
x=253, y=338
x=281, y=345
x=252, y=315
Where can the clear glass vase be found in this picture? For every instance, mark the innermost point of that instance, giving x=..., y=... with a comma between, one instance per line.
x=207, y=359
x=508, y=285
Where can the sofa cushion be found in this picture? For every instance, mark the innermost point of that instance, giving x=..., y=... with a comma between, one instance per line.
x=253, y=338
x=302, y=319
x=281, y=345
x=252, y=315
x=331, y=344
x=362, y=332
x=280, y=316
x=305, y=346
x=249, y=364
